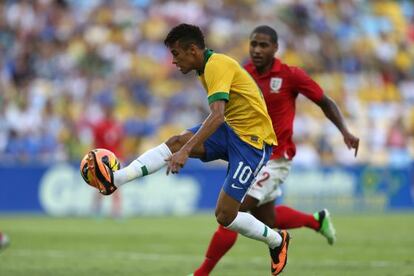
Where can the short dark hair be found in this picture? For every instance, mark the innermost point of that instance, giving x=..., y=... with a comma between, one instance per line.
x=185, y=34
x=267, y=30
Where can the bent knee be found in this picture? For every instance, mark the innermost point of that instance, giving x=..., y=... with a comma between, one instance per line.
x=176, y=142
x=225, y=218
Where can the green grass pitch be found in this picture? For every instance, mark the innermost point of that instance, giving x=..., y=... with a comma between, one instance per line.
x=367, y=245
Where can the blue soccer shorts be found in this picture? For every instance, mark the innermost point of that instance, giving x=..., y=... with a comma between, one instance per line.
x=244, y=160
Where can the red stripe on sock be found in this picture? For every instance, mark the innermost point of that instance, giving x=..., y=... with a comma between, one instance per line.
x=222, y=240
x=288, y=218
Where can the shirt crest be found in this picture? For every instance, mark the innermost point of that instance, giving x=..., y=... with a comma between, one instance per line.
x=275, y=84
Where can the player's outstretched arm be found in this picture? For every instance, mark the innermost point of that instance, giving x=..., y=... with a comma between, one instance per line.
x=332, y=112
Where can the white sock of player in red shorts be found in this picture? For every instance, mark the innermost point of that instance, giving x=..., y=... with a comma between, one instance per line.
x=249, y=226
x=149, y=162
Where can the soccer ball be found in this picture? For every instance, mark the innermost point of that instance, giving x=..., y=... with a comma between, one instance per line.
x=106, y=156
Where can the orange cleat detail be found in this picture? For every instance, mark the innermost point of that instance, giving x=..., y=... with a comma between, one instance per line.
x=279, y=254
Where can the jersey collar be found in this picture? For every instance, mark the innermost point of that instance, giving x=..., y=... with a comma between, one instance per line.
x=207, y=54
x=277, y=65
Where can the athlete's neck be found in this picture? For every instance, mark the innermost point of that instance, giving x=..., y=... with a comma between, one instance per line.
x=203, y=57
x=266, y=68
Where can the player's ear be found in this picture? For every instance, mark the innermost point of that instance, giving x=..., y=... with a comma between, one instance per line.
x=193, y=48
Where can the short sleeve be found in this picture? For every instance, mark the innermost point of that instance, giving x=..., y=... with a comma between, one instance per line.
x=218, y=77
x=305, y=85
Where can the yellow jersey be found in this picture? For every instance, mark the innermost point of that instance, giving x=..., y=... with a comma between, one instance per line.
x=245, y=111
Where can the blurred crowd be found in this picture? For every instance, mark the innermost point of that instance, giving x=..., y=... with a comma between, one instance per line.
x=78, y=74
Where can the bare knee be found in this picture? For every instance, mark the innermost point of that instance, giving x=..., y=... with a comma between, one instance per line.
x=225, y=217
x=175, y=142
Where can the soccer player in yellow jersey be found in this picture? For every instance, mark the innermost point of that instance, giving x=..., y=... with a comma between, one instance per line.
x=238, y=130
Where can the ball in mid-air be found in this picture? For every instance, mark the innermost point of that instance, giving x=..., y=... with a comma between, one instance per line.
x=106, y=156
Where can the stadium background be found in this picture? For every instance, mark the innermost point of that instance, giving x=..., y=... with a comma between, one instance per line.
x=66, y=65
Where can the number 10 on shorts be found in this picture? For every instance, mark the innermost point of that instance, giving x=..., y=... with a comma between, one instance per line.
x=243, y=173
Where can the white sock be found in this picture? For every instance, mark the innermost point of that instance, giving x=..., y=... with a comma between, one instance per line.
x=149, y=162
x=251, y=227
